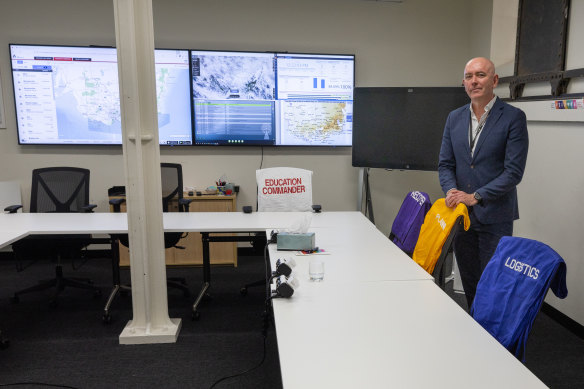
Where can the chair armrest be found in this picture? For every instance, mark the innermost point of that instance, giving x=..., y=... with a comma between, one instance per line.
x=185, y=203
x=116, y=203
x=12, y=208
x=88, y=208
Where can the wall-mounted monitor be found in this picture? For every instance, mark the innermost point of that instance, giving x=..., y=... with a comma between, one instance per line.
x=274, y=99
x=315, y=99
x=70, y=95
x=173, y=97
x=402, y=128
x=233, y=97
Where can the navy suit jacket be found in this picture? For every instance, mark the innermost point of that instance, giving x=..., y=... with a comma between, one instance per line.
x=497, y=165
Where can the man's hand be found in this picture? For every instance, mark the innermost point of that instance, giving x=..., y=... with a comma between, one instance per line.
x=455, y=197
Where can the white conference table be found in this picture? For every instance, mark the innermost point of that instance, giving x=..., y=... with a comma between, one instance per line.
x=376, y=321
x=350, y=227
x=63, y=223
x=388, y=334
x=349, y=234
x=116, y=223
x=257, y=221
x=355, y=253
x=10, y=236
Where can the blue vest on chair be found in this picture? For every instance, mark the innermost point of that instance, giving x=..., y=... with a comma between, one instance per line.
x=410, y=217
x=513, y=287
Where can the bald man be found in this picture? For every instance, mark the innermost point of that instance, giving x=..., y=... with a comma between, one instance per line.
x=482, y=159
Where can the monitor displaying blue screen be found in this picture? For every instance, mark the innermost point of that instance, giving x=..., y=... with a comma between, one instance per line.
x=245, y=98
x=70, y=95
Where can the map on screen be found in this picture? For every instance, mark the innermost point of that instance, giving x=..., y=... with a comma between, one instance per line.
x=279, y=99
x=315, y=97
x=70, y=95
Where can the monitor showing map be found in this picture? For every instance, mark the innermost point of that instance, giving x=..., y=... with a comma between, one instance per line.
x=274, y=99
x=314, y=99
x=70, y=95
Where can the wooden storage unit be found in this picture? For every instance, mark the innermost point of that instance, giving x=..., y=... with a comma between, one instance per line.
x=222, y=253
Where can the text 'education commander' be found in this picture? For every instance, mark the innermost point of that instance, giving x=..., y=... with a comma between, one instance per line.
x=482, y=159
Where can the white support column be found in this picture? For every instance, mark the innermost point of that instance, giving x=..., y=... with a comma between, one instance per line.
x=135, y=43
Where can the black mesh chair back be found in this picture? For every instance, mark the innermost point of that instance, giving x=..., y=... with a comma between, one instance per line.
x=63, y=190
x=172, y=185
x=444, y=263
x=59, y=189
x=172, y=193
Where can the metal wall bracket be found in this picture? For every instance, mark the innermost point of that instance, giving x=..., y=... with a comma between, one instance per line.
x=559, y=82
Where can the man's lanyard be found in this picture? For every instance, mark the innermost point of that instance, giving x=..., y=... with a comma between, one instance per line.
x=472, y=139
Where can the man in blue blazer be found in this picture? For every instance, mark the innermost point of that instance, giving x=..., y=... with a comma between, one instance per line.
x=482, y=159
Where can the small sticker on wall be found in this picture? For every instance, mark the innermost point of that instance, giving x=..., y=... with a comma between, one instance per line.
x=568, y=104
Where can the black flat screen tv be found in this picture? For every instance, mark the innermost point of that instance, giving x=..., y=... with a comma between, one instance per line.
x=402, y=128
x=70, y=95
x=272, y=99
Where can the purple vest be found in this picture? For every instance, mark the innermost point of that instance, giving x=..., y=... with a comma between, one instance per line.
x=406, y=225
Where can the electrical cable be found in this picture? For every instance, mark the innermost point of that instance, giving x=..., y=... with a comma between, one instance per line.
x=262, y=160
x=245, y=371
x=266, y=324
x=267, y=273
x=40, y=384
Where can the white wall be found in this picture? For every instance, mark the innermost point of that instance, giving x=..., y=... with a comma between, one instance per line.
x=418, y=43
x=553, y=184
x=388, y=188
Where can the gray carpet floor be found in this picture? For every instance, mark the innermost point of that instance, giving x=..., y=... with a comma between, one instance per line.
x=68, y=345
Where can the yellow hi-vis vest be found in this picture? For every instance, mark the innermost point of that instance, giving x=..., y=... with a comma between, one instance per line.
x=437, y=225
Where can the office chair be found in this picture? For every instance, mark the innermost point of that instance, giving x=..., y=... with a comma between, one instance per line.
x=512, y=288
x=436, y=236
x=172, y=199
x=56, y=189
x=444, y=263
x=408, y=221
x=282, y=189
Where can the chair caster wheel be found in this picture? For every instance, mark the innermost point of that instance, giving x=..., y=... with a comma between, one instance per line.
x=14, y=299
x=243, y=291
x=106, y=318
x=4, y=343
x=196, y=315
